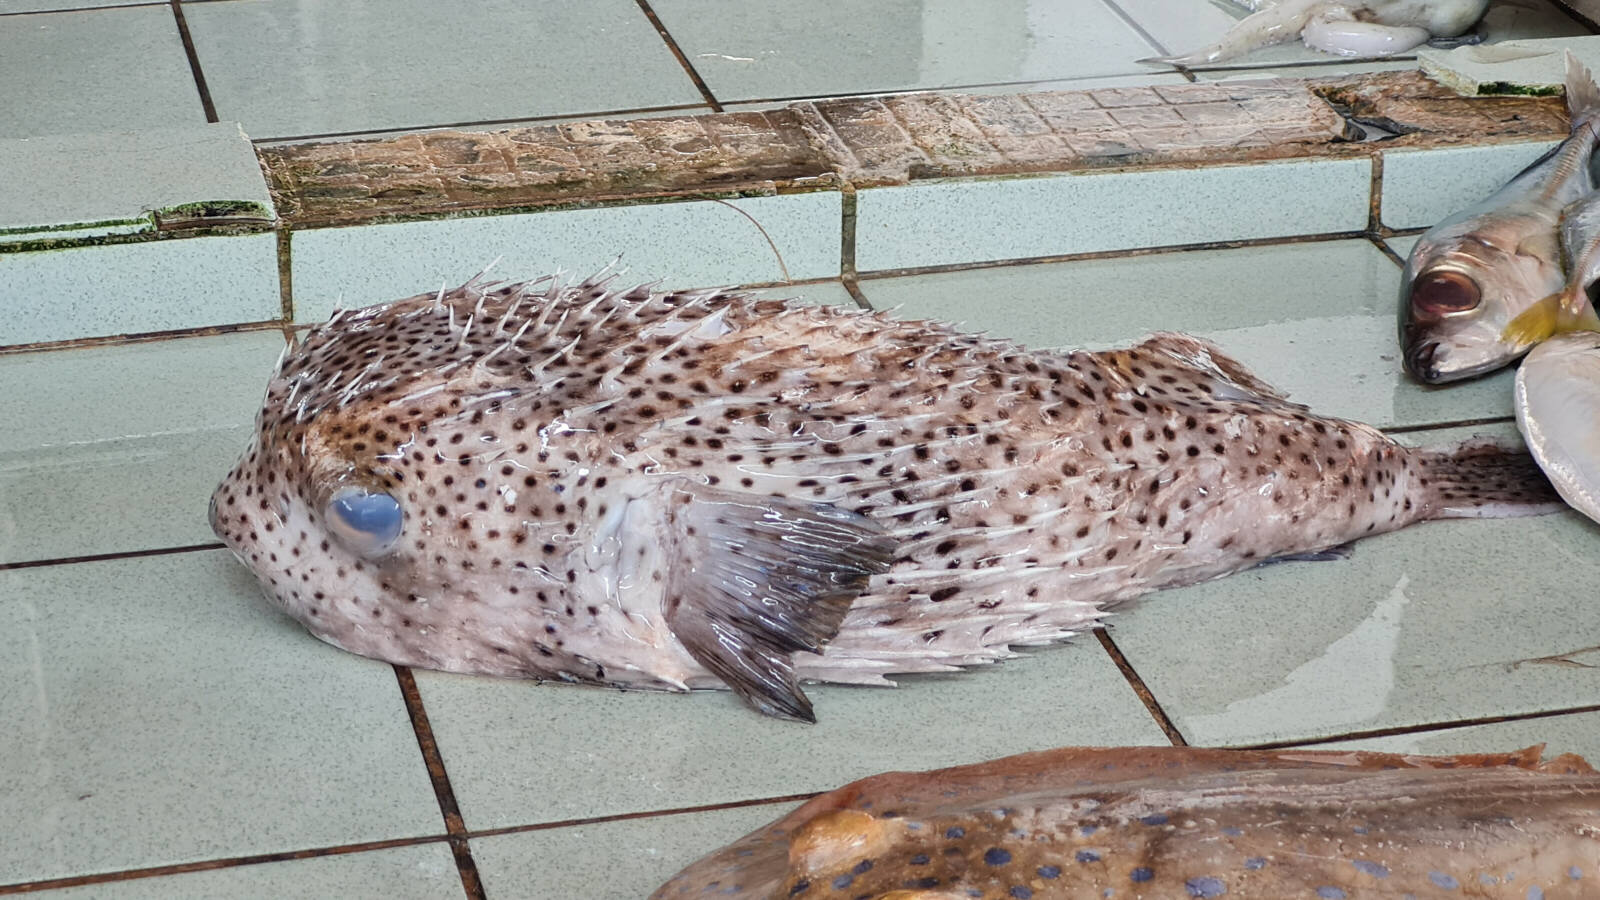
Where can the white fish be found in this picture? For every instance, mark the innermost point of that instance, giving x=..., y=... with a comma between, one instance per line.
x=1558, y=413
x=1354, y=28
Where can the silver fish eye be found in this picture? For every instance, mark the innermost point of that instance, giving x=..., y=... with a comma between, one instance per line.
x=366, y=523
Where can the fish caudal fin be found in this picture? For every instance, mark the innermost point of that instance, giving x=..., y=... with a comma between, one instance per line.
x=1482, y=478
x=756, y=579
x=1583, y=95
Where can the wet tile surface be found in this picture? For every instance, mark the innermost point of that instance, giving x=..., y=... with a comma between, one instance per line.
x=367, y=65
x=160, y=712
x=639, y=855
x=602, y=752
x=117, y=69
x=692, y=244
x=86, y=471
x=422, y=872
x=1315, y=319
x=761, y=51
x=1421, y=187
x=164, y=285
x=908, y=227
x=1403, y=633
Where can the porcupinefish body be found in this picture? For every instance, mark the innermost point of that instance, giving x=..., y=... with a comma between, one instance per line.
x=683, y=490
x=1181, y=822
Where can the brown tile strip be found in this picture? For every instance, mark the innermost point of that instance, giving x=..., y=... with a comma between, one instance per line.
x=453, y=824
x=1140, y=688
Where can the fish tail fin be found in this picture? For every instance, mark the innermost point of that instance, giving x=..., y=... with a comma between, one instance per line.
x=1583, y=95
x=1481, y=478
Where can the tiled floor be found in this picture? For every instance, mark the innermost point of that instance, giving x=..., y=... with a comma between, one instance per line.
x=169, y=734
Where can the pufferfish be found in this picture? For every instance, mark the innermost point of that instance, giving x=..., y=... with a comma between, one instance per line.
x=673, y=490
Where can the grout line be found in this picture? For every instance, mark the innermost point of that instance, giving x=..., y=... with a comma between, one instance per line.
x=1140, y=688
x=143, y=337
x=101, y=557
x=688, y=67
x=76, y=9
x=1131, y=22
x=194, y=62
x=648, y=814
x=1386, y=250
x=1419, y=729
x=1439, y=426
x=453, y=824
x=285, y=276
x=847, y=246
x=403, y=130
x=1375, y=197
x=1115, y=254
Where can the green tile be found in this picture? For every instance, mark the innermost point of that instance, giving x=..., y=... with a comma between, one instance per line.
x=1440, y=622
x=284, y=68
x=1574, y=733
x=622, y=860
x=1421, y=187
x=948, y=222
x=159, y=711
x=689, y=244
x=765, y=50
x=421, y=872
x=523, y=753
x=1314, y=319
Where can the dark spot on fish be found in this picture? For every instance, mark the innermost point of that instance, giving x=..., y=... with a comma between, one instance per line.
x=1154, y=819
x=1205, y=886
x=1443, y=880
x=1088, y=856
x=1142, y=873
x=1021, y=892
x=997, y=856
x=955, y=833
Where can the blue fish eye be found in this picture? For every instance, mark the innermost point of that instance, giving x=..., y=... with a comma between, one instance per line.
x=367, y=523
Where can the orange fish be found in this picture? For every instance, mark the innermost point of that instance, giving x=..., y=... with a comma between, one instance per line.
x=1159, y=822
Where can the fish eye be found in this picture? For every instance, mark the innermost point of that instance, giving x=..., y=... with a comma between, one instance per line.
x=365, y=522
x=1442, y=293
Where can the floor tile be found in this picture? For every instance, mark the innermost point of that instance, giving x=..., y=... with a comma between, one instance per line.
x=1314, y=319
x=1181, y=28
x=689, y=244
x=523, y=753
x=622, y=860
x=1577, y=733
x=116, y=183
x=1440, y=622
x=422, y=872
x=84, y=471
x=831, y=293
x=99, y=70
x=162, y=285
x=911, y=226
x=288, y=68
x=161, y=711
x=1421, y=187
x=765, y=51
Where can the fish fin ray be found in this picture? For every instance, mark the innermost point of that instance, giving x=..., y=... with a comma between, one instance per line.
x=1482, y=478
x=1338, y=551
x=1535, y=323
x=1583, y=95
x=1230, y=379
x=756, y=579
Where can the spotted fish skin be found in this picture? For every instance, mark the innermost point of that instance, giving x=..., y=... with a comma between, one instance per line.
x=680, y=490
x=1149, y=822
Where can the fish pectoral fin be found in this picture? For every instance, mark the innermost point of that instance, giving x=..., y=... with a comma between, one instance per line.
x=755, y=579
x=1338, y=551
x=1558, y=313
x=1225, y=377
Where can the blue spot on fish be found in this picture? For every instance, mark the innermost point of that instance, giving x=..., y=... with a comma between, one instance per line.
x=1231, y=831
x=1087, y=830
x=921, y=859
x=1575, y=873
x=1329, y=892
x=1443, y=880
x=1142, y=874
x=1370, y=868
x=1021, y=893
x=1049, y=871
x=1255, y=862
x=1154, y=819
x=1486, y=878
x=1088, y=856
x=995, y=856
x=1360, y=829
x=1205, y=886
x=956, y=833
x=843, y=881
x=1535, y=892
x=862, y=867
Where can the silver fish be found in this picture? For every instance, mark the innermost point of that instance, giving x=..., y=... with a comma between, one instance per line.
x=1158, y=822
x=1469, y=276
x=1362, y=28
x=1558, y=413
x=1570, y=309
x=676, y=490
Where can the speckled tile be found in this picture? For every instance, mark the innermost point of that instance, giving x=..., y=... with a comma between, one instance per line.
x=1575, y=733
x=287, y=68
x=765, y=51
x=1421, y=187
x=691, y=244
x=602, y=752
x=1440, y=622
x=58, y=295
x=117, y=69
x=421, y=872
x=1314, y=319
x=622, y=860
x=937, y=223
x=1184, y=27
x=161, y=711
x=144, y=458
x=118, y=183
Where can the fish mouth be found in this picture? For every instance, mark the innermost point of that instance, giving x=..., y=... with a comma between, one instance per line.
x=1419, y=361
